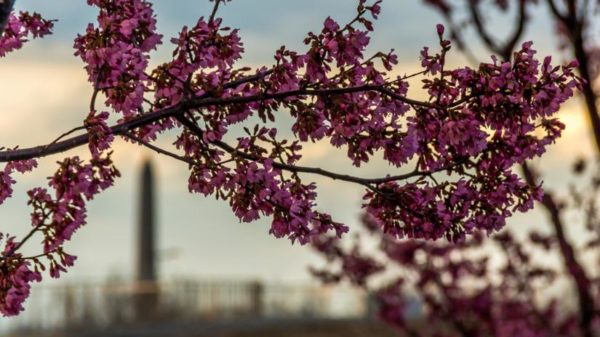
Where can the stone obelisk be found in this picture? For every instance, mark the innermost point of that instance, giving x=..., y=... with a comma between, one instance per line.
x=146, y=275
x=146, y=269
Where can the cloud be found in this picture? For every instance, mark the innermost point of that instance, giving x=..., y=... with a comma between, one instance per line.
x=39, y=100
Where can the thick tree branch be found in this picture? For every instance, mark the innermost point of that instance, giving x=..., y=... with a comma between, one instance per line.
x=195, y=103
x=73, y=142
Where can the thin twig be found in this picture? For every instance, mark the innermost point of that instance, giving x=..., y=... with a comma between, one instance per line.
x=214, y=11
x=157, y=149
x=75, y=129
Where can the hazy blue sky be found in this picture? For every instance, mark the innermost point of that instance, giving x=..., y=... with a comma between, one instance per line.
x=43, y=92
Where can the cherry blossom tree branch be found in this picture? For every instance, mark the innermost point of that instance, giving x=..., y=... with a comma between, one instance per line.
x=76, y=141
x=195, y=103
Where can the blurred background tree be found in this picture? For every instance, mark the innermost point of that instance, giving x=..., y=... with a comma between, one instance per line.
x=529, y=280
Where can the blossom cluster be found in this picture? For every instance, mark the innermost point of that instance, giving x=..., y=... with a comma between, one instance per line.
x=20, y=27
x=507, y=120
x=57, y=217
x=100, y=135
x=6, y=180
x=16, y=278
x=202, y=62
x=257, y=189
x=116, y=51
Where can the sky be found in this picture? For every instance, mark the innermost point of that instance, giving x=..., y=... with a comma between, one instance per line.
x=44, y=92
